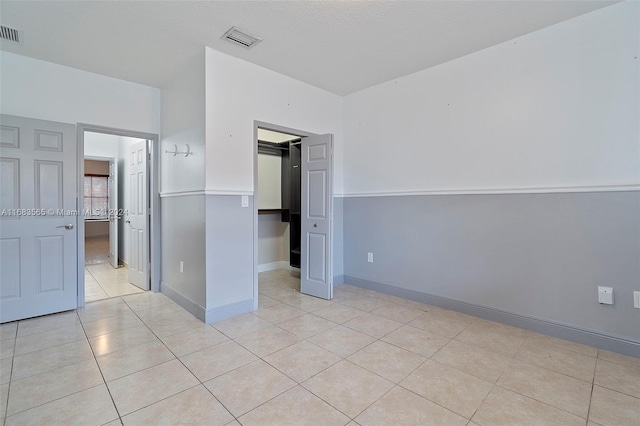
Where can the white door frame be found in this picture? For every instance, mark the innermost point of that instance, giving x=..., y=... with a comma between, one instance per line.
x=276, y=128
x=154, y=191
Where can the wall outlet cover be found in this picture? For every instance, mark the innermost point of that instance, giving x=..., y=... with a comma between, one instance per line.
x=605, y=295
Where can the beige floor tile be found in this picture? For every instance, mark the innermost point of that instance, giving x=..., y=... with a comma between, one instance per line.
x=310, y=303
x=307, y=325
x=217, y=360
x=6, y=348
x=348, y=387
x=146, y=387
x=8, y=330
x=267, y=340
x=128, y=361
x=278, y=313
x=338, y=313
x=45, y=360
x=342, y=341
x=146, y=300
x=194, y=340
x=265, y=301
x=494, y=337
x=505, y=408
x=247, y=387
x=302, y=360
x=193, y=406
x=617, y=377
x=610, y=408
x=174, y=325
x=481, y=363
x=560, y=391
x=119, y=340
x=89, y=407
x=543, y=339
x=412, y=304
x=416, y=340
x=442, y=322
x=451, y=388
x=619, y=358
x=363, y=303
x=241, y=325
x=45, y=387
x=47, y=323
x=4, y=394
x=397, y=312
x=559, y=360
x=373, y=325
x=162, y=313
x=49, y=339
x=401, y=407
x=388, y=361
x=111, y=325
x=102, y=309
x=296, y=407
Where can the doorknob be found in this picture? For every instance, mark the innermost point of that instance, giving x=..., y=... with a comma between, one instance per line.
x=68, y=226
x=315, y=225
x=128, y=221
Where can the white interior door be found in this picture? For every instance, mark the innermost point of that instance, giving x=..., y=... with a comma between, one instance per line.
x=316, y=227
x=113, y=212
x=138, y=218
x=38, y=225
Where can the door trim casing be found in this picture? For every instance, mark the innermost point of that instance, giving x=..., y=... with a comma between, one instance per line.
x=154, y=200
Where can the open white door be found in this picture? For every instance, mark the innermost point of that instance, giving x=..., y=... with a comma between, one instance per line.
x=316, y=227
x=38, y=225
x=113, y=212
x=137, y=222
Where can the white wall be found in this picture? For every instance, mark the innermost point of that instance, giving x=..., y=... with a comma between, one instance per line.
x=238, y=93
x=269, y=181
x=555, y=108
x=183, y=122
x=47, y=91
x=100, y=145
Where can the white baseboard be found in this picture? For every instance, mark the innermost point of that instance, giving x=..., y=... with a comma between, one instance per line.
x=283, y=264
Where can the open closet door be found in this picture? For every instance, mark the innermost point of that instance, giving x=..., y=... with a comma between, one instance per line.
x=316, y=273
x=138, y=216
x=39, y=221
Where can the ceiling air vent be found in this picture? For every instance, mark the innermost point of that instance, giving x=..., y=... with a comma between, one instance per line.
x=241, y=38
x=10, y=34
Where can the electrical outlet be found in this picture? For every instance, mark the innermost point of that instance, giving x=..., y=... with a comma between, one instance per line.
x=181, y=267
x=636, y=299
x=605, y=295
x=370, y=257
x=245, y=201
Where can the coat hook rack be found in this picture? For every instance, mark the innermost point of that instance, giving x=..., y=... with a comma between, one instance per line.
x=176, y=152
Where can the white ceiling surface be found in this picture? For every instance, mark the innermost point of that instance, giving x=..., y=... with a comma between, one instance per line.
x=339, y=46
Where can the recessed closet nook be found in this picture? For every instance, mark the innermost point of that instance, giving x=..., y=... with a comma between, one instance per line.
x=278, y=203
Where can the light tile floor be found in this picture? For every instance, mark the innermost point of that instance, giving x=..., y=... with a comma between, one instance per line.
x=363, y=358
x=101, y=280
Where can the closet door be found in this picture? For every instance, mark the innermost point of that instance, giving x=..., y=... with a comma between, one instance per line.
x=316, y=274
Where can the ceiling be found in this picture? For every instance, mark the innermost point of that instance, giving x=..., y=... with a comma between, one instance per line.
x=339, y=46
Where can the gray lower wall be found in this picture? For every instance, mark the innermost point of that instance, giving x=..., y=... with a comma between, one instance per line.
x=539, y=256
x=229, y=256
x=338, y=240
x=183, y=238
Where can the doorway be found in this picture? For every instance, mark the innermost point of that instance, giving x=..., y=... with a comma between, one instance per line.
x=293, y=214
x=118, y=250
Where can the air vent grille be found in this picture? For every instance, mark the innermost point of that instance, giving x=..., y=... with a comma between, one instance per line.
x=10, y=34
x=241, y=38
